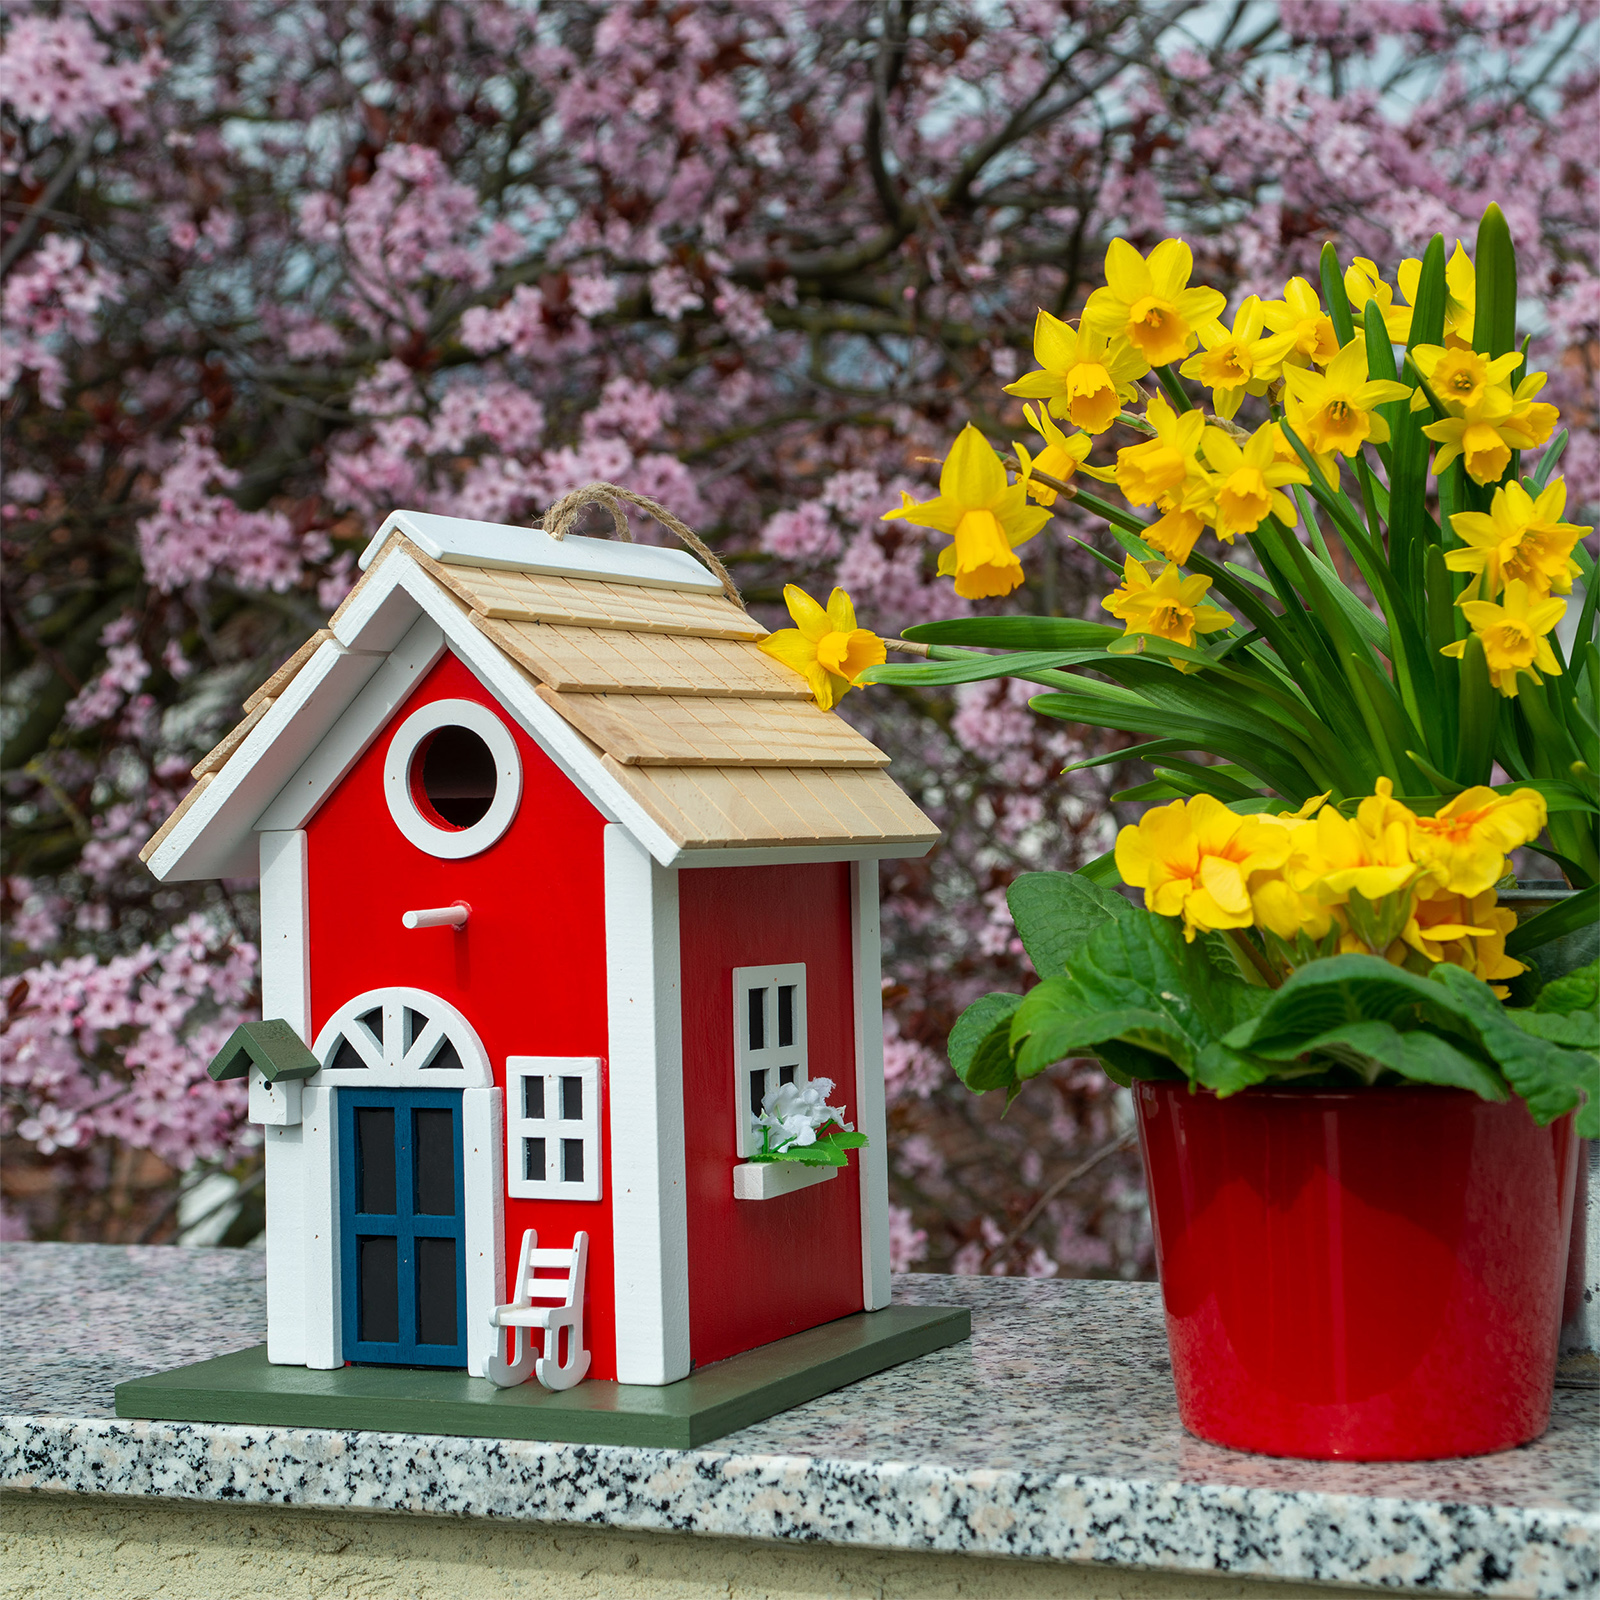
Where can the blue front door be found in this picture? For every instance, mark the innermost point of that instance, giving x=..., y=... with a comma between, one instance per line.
x=402, y=1234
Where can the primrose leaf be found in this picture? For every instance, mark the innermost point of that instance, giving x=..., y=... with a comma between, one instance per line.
x=1421, y=1056
x=1055, y=912
x=1579, y=990
x=980, y=1043
x=1552, y=1080
x=1141, y=963
x=1324, y=995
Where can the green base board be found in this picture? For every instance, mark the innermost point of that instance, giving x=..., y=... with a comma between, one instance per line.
x=716, y=1400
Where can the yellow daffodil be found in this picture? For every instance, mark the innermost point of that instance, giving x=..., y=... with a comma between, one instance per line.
x=1485, y=433
x=1461, y=294
x=1518, y=537
x=1174, y=533
x=1249, y=482
x=1237, y=361
x=1363, y=282
x=1513, y=635
x=1465, y=844
x=1300, y=313
x=1462, y=379
x=826, y=648
x=1195, y=859
x=1149, y=302
x=986, y=517
x=1531, y=421
x=1464, y=931
x=1333, y=411
x=1085, y=377
x=1161, y=465
x=1062, y=456
x=1168, y=607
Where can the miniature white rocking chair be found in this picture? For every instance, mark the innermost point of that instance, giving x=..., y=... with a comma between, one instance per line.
x=553, y=1369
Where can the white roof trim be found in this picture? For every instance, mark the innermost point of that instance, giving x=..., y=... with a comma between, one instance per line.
x=455, y=541
x=399, y=625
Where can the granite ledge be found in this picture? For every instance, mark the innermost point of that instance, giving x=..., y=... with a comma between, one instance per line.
x=1052, y=1436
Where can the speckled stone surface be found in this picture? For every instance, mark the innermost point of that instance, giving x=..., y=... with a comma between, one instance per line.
x=1052, y=1435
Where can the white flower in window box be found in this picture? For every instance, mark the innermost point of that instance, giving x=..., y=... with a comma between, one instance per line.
x=793, y=1117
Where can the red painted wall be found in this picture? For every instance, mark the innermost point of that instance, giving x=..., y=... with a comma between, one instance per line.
x=762, y=1269
x=528, y=971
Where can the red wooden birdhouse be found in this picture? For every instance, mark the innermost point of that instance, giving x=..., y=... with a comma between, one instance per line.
x=561, y=877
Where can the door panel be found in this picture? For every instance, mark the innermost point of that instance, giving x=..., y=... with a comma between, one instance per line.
x=402, y=1227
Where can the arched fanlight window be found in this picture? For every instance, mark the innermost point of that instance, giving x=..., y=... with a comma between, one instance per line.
x=401, y=1037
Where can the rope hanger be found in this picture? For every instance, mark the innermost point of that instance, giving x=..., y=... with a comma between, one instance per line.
x=558, y=520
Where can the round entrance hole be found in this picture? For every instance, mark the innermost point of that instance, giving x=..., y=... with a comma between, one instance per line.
x=453, y=776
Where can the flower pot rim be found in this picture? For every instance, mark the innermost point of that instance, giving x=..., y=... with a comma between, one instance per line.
x=1285, y=1091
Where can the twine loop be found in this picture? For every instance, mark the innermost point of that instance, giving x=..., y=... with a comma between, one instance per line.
x=558, y=520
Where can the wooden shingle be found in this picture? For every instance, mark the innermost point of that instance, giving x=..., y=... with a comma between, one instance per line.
x=602, y=660
x=659, y=730
x=526, y=597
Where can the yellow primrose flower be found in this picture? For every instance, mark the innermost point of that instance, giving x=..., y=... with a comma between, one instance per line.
x=1513, y=635
x=1465, y=931
x=1370, y=855
x=986, y=516
x=1333, y=410
x=1161, y=465
x=1085, y=376
x=1194, y=859
x=1518, y=537
x=1250, y=482
x=1531, y=422
x=1460, y=298
x=826, y=648
x=1169, y=607
x=1061, y=457
x=1300, y=313
x=1364, y=282
x=1149, y=303
x=1237, y=361
x=1463, y=378
x=1465, y=843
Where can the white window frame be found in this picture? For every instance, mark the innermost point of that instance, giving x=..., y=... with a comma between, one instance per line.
x=452, y=844
x=552, y=1127
x=770, y=1057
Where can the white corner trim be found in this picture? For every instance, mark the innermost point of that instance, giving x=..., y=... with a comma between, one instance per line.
x=644, y=1027
x=362, y=721
x=766, y=1180
x=457, y=541
x=213, y=837
x=323, y=1329
x=485, y=1220
x=866, y=951
x=286, y=1191
x=285, y=952
x=452, y=844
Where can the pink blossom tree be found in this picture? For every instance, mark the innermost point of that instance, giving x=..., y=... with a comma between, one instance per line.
x=272, y=269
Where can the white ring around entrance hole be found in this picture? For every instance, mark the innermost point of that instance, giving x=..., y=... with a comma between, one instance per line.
x=452, y=844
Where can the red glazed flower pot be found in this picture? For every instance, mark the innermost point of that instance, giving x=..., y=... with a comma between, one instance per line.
x=1375, y=1276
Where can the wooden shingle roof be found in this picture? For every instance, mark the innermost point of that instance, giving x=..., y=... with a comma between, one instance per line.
x=718, y=744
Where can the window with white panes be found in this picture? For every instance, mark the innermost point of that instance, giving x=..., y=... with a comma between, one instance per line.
x=769, y=1040
x=553, y=1128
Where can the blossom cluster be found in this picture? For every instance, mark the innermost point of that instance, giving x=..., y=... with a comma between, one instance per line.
x=793, y=1114
x=1417, y=891
x=465, y=257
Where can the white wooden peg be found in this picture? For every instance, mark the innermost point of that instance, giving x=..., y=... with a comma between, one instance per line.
x=451, y=916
